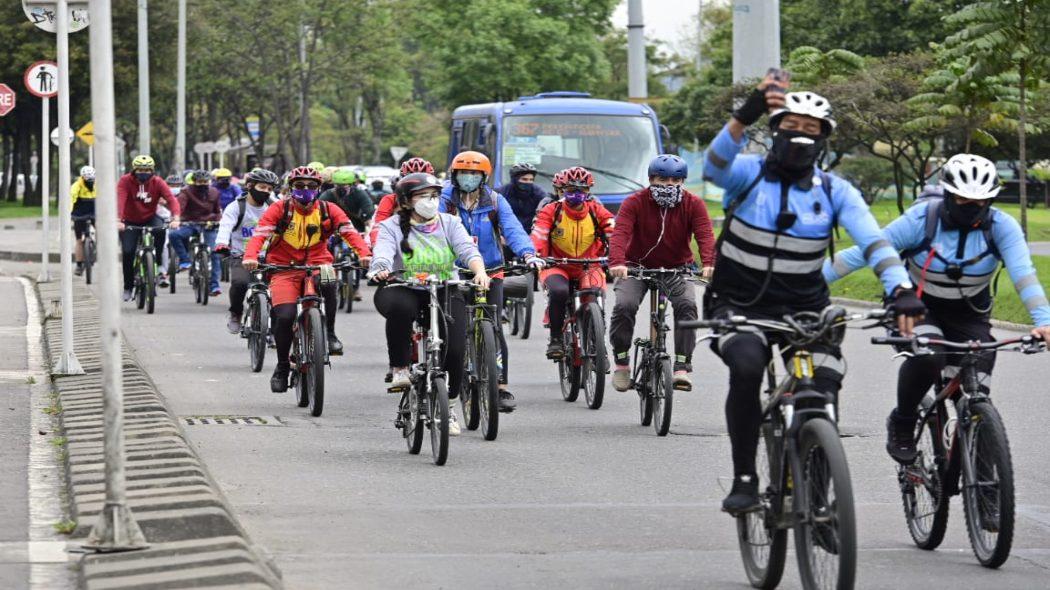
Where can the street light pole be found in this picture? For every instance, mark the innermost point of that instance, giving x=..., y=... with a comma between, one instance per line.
x=144, y=130
x=116, y=529
x=180, y=96
x=45, y=186
x=637, y=82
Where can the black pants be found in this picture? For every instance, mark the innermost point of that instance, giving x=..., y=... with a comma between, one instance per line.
x=283, y=318
x=918, y=374
x=557, y=298
x=129, y=240
x=239, y=279
x=747, y=355
x=629, y=295
x=401, y=306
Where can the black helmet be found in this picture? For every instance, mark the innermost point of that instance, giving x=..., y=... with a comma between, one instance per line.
x=521, y=169
x=412, y=183
x=201, y=175
x=264, y=176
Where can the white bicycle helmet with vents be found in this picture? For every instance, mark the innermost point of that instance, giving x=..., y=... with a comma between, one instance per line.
x=87, y=173
x=971, y=177
x=809, y=104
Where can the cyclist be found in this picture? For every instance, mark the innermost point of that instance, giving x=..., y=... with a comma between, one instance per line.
x=239, y=220
x=577, y=226
x=354, y=201
x=557, y=184
x=419, y=239
x=653, y=227
x=199, y=202
x=139, y=192
x=326, y=178
x=300, y=227
x=952, y=246
x=82, y=194
x=377, y=191
x=781, y=212
x=223, y=182
x=388, y=203
x=175, y=183
x=523, y=194
x=489, y=218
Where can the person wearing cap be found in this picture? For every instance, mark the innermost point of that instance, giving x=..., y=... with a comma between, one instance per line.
x=199, y=202
x=222, y=180
x=83, y=195
x=781, y=211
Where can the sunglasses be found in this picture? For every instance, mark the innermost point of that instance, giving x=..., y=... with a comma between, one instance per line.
x=301, y=185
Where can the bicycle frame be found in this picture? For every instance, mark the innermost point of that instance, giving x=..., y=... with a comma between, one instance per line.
x=653, y=349
x=257, y=286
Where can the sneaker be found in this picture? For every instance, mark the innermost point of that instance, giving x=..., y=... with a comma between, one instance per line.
x=270, y=342
x=357, y=296
x=506, y=401
x=279, y=380
x=216, y=292
x=233, y=325
x=555, y=350
x=622, y=378
x=127, y=294
x=682, y=381
x=335, y=347
x=79, y=270
x=900, y=438
x=743, y=496
x=162, y=280
x=453, y=423
x=184, y=266
x=399, y=380
x=389, y=377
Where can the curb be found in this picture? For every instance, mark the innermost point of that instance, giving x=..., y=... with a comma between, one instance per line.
x=1000, y=324
x=28, y=256
x=195, y=539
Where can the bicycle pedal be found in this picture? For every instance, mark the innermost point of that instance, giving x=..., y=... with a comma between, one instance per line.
x=682, y=387
x=335, y=353
x=400, y=389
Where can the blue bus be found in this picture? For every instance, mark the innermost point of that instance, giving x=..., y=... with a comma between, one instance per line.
x=557, y=130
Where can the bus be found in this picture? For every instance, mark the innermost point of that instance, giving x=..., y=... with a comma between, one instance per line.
x=557, y=130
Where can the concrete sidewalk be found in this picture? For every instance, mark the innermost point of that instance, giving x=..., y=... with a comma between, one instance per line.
x=21, y=239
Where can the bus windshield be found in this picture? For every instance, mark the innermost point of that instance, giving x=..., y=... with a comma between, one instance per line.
x=616, y=149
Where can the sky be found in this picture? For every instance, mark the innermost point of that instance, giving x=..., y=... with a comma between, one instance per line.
x=671, y=21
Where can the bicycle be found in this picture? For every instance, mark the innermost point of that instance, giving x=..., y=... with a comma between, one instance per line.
x=425, y=402
x=173, y=266
x=653, y=375
x=583, y=336
x=144, y=286
x=90, y=247
x=349, y=278
x=200, y=262
x=255, y=325
x=519, y=297
x=960, y=437
x=800, y=458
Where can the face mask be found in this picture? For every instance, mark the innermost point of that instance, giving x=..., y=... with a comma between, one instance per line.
x=200, y=188
x=963, y=216
x=223, y=183
x=794, y=152
x=666, y=195
x=143, y=177
x=524, y=182
x=468, y=182
x=426, y=208
x=259, y=196
x=342, y=190
x=576, y=198
x=90, y=184
x=304, y=196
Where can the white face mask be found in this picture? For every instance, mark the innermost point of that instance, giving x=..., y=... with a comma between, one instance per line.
x=426, y=208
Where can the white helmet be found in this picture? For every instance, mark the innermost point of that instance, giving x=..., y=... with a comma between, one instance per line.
x=87, y=173
x=970, y=177
x=809, y=104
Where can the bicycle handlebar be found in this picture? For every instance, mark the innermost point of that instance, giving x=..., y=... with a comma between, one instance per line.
x=282, y=267
x=922, y=344
x=604, y=260
x=145, y=227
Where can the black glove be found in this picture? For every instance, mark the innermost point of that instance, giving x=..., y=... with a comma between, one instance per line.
x=223, y=251
x=906, y=303
x=753, y=108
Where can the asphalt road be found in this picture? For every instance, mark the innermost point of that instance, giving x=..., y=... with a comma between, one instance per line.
x=566, y=497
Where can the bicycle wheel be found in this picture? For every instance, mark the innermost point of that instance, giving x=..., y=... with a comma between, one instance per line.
x=89, y=259
x=256, y=333
x=173, y=268
x=595, y=361
x=139, y=283
x=350, y=291
x=302, y=388
x=644, y=389
x=488, y=378
x=925, y=505
x=988, y=486
x=344, y=287
x=204, y=275
x=526, y=309
x=412, y=420
x=826, y=532
x=763, y=546
x=149, y=281
x=438, y=399
x=568, y=367
x=468, y=397
x=662, y=397
x=515, y=316
x=224, y=270
x=314, y=360
x=195, y=279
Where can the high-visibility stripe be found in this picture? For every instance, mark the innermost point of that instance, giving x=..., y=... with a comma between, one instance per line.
x=780, y=265
x=767, y=239
x=874, y=246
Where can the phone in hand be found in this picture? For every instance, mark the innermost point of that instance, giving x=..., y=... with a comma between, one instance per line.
x=782, y=76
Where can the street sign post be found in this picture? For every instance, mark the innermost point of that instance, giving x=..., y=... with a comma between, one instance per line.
x=252, y=125
x=222, y=146
x=41, y=79
x=203, y=149
x=398, y=152
x=7, y=99
x=55, y=134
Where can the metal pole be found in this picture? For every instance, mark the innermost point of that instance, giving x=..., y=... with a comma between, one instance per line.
x=637, y=82
x=67, y=363
x=180, y=95
x=116, y=529
x=144, y=130
x=45, y=188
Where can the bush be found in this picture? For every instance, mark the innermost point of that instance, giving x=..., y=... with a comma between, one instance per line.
x=870, y=174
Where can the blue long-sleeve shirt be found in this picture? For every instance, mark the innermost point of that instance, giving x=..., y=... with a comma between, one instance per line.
x=478, y=221
x=908, y=232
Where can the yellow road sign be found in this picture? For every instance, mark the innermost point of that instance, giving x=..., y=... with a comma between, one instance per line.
x=87, y=133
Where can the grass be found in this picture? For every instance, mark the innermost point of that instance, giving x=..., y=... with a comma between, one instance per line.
x=15, y=209
x=65, y=526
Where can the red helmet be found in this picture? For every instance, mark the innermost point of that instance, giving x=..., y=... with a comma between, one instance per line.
x=578, y=176
x=413, y=165
x=558, y=180
x=304, y=173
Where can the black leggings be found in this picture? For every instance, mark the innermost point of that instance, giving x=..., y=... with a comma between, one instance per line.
x=129, y=240
x=401, y=306
x=283, y=318
x=557, y=298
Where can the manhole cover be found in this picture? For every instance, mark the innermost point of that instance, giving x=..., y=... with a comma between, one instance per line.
x=230, y=421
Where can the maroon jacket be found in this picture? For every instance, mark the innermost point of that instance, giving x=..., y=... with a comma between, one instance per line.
x=638, y=237
x=198, y=207
x=137, y=203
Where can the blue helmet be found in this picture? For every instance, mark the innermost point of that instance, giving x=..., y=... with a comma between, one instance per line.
x=668, y=166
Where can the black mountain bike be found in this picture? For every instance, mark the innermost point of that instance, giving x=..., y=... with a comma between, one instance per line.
x=961, y=440
x=585, y=360
x=173, y=266
x=200, y=262
x=90, y=247
x=144, y=286
x=800, y=460
x=255, y=325
x=349, y=278
x=653, y=374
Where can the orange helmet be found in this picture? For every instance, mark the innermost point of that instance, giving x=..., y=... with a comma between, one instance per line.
x=472, y=161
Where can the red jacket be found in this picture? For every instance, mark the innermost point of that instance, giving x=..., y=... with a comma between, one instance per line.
x=641, y=237
x=137, y=203
x=573, y=234
x=297, y=245
x=386, y=209
x=197, y=207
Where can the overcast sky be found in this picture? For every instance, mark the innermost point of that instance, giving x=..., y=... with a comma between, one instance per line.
x=671, y=21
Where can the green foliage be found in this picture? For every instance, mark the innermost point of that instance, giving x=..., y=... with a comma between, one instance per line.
x=809, y=65
x=869, y=174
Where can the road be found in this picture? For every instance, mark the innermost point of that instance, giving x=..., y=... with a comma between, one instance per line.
x=566, y=497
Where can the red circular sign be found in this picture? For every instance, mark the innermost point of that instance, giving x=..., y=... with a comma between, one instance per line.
x=7, y=99
x=41, y=79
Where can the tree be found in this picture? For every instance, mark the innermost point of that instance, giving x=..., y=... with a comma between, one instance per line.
x=1005, y=36
x=809, y=65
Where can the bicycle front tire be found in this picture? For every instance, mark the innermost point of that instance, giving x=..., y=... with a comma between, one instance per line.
x=256, y=333
x=89, y=259
x=595, y=359
x=439, y=420
x=150, y=282
x=314, y=374
x=488, y=378
x=662, y=397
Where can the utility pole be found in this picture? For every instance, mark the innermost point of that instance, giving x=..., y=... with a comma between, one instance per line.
x=756, y=38
x=637, y=80
x=304, y=100
x=144, y=130
x=700, y=35
x=180, y=98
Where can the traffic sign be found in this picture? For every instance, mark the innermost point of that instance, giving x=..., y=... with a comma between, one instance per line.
x=252, y=124
x=54, y=135
x=87, y=133
x=42, y=14
x=398, y=152
x=222, y=146
x=7, y=99
x=41, y=79
x=204, y=147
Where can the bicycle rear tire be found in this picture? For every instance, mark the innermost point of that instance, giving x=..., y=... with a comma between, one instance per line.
x=662, y=396
x=438, y=420
x=89, y=259
x=595, y=357
x=412, y=427
x=922, y=483
x=256, y=333
x=315, y=353
x=569, y=378
x=488, y=378
x=990, y=451
x=302, y=388
x=150, y=281
x=173, y=268
x=344, y=287
x=763, y=546
x=824, y=470
x=204, y=276
x=526, y=316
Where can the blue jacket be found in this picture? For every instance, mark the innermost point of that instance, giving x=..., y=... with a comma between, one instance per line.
x=478, y=221
x=524, y=200
x=908, y=232
x=227, y=195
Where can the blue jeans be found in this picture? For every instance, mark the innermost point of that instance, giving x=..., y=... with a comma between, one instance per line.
x=180, y=241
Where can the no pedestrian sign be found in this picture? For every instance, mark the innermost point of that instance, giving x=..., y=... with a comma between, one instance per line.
x=7, y=99
x=41, y=79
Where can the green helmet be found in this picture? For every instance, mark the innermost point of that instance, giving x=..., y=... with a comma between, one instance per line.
x=362, y=176
x=344, y=176
x=318, y=166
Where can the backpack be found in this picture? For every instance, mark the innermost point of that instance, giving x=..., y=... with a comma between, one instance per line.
x=599, y=231
x=242, y=205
